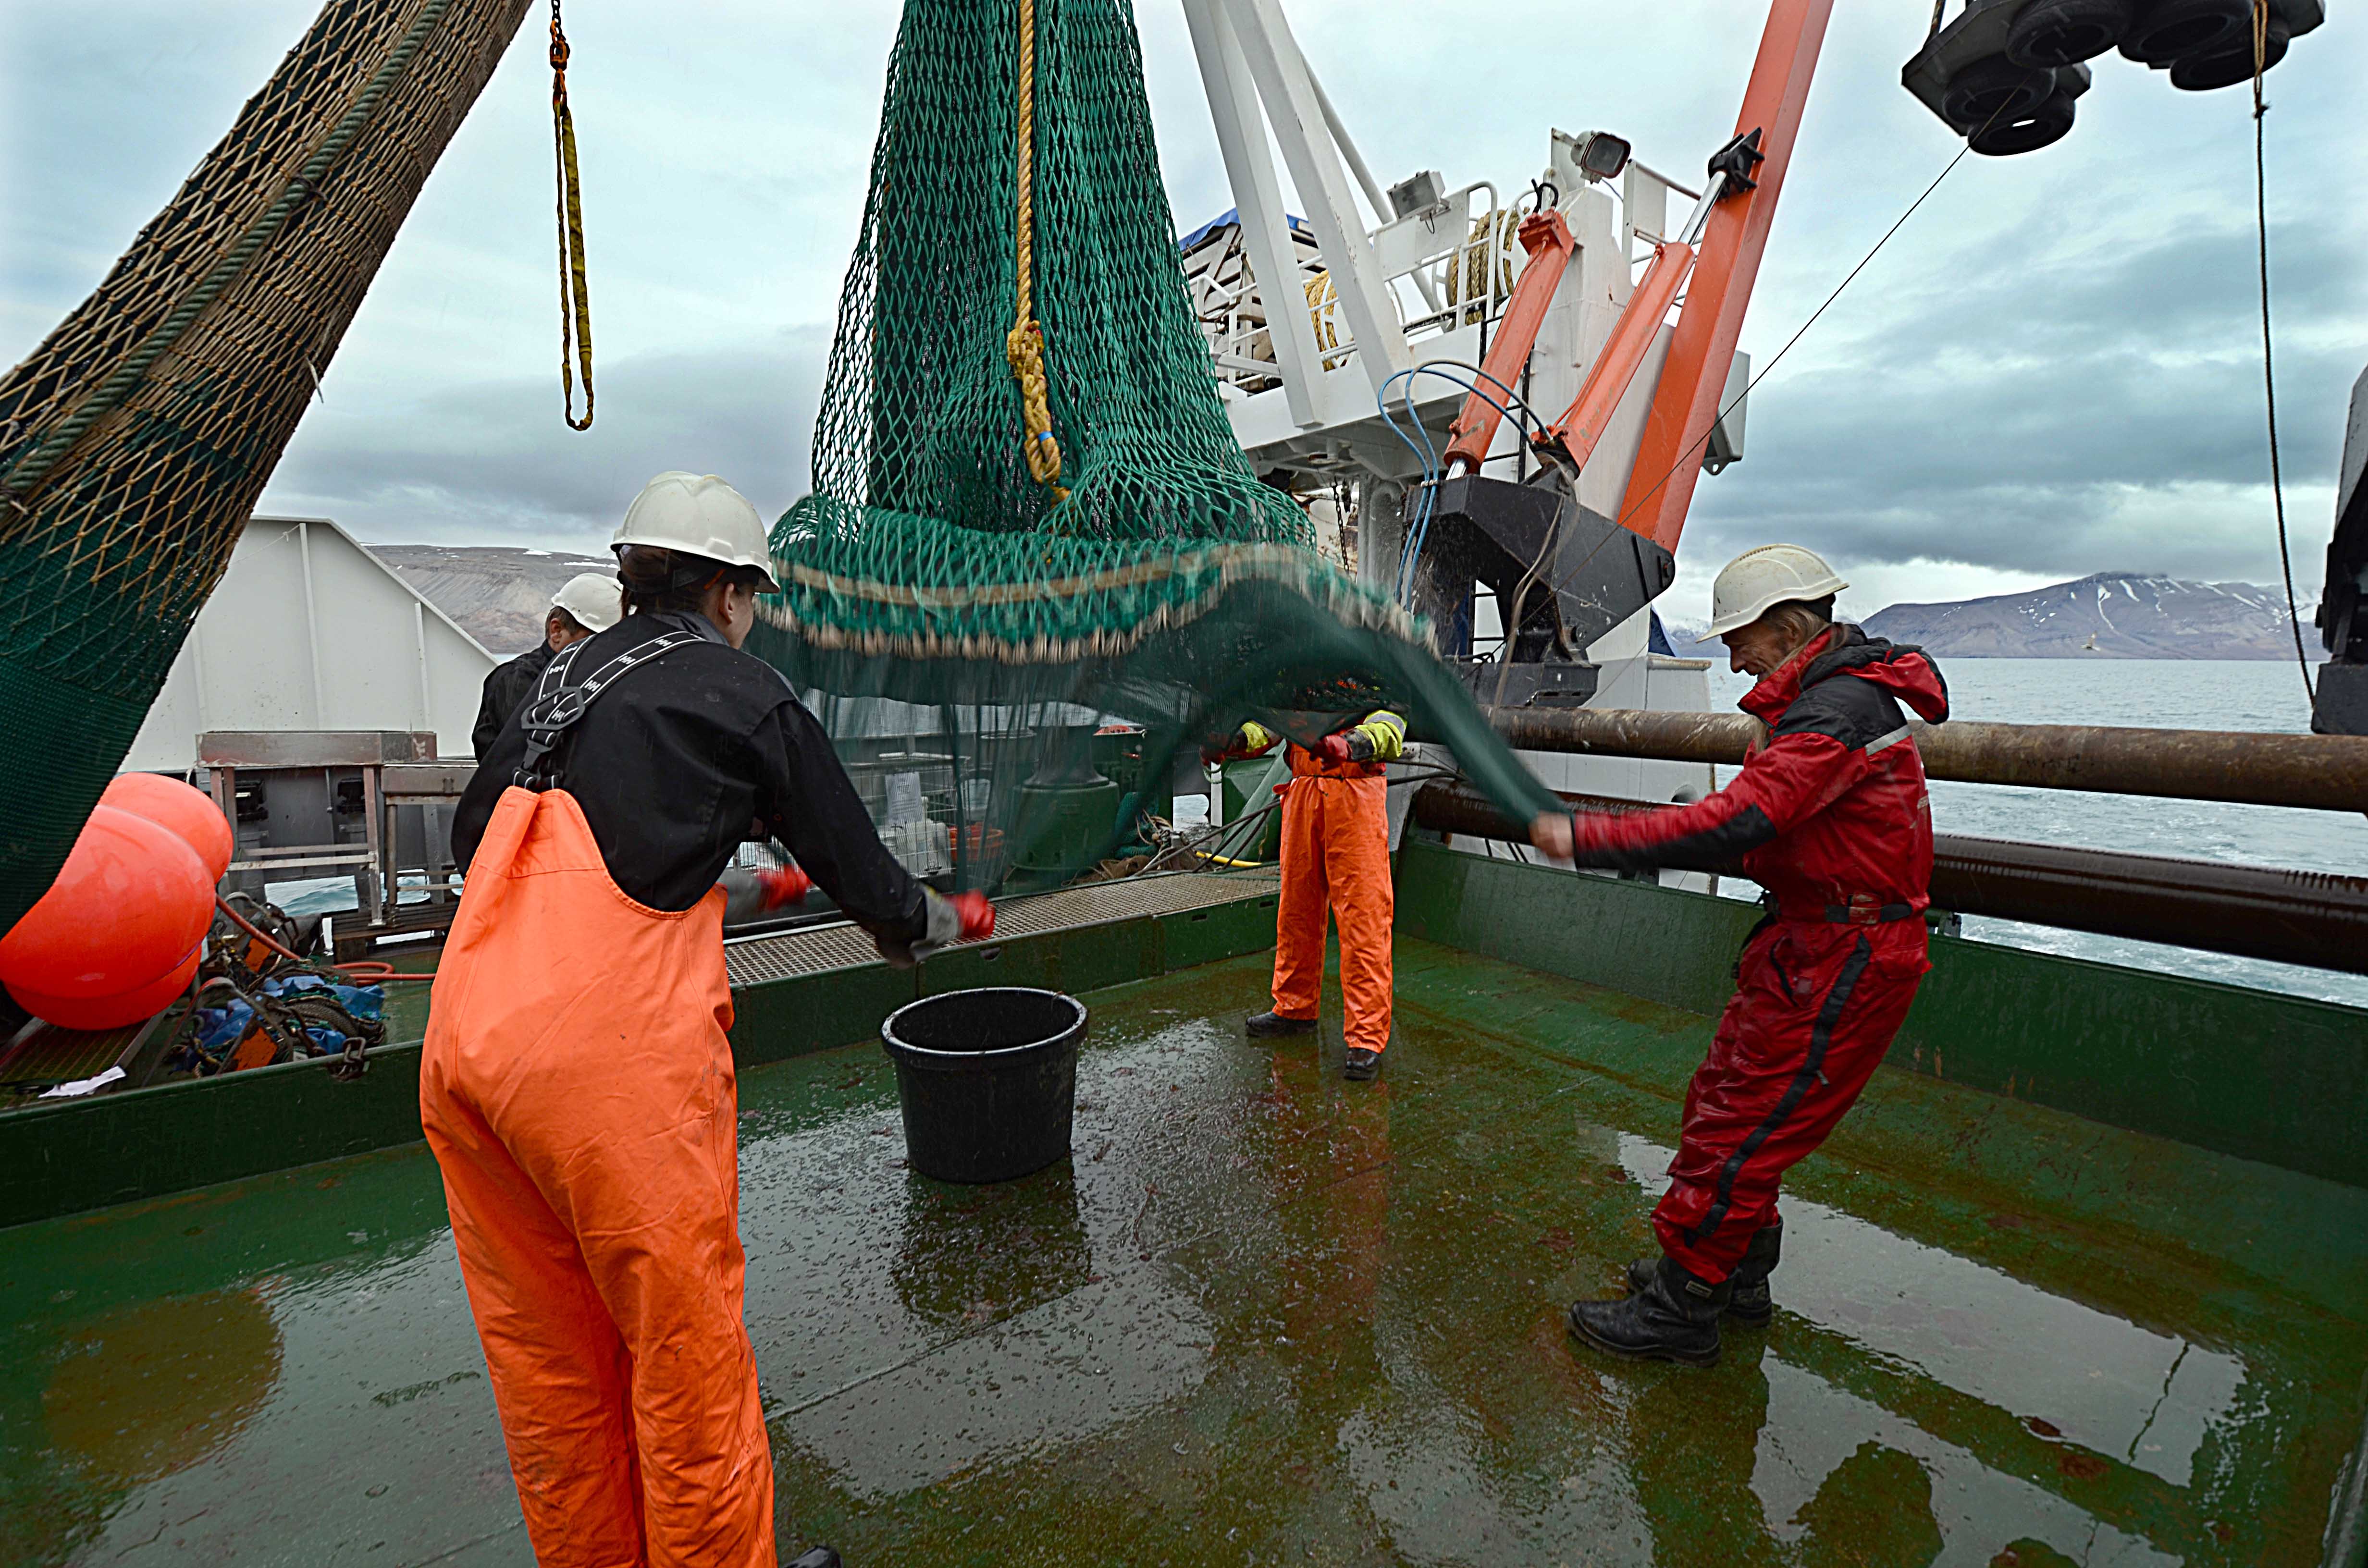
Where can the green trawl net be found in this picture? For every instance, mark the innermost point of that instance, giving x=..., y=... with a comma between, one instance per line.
x=134, y=440
x=1011, y=671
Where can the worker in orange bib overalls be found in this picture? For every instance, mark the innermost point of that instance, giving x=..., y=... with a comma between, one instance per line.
x=577, y=1085
x=1336, y=857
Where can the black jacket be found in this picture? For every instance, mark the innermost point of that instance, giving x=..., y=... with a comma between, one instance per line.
x=685, y=757
x=505, y=689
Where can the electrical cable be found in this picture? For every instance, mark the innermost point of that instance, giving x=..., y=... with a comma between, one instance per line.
x=1417, y=532
x=2268, y=371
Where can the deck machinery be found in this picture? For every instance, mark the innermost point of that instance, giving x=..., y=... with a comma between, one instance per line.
x=1519, y=412
x=1536, y=542
x=2082, y=1280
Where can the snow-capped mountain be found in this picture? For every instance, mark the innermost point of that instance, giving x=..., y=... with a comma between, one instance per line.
x=2123, y=615
x=499, y=593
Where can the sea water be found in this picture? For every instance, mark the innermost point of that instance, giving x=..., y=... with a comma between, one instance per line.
x=2179, y=694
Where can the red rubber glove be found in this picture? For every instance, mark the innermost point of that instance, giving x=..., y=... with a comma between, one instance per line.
x=783, y=885
x=1335, y=748
x=1236, y=745
x=978, y=915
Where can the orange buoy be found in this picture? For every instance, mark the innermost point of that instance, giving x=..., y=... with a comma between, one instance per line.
x=115, y=1009
x=128, y=910
x=169, y=803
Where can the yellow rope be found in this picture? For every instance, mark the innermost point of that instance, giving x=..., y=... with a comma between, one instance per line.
x=574, y=295
x=1024, y=346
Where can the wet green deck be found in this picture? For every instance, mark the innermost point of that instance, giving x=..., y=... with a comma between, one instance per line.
x=1268, y=1317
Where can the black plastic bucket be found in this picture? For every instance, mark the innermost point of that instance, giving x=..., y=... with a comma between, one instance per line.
x=989, y=1080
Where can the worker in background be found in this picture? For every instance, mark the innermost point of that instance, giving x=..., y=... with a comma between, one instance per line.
x=586, y=604
x=1831, y=817
x=1336, y=857
x=577, y=1086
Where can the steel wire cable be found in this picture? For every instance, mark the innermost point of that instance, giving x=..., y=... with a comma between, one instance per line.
x=1689, y=453
x=1695, y=445
x=2269, y=364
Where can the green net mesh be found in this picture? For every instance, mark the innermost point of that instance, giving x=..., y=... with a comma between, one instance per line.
x=134, y=440
x=1012, y=674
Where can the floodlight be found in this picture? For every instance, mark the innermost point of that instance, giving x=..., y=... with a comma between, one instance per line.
x=1602, y=155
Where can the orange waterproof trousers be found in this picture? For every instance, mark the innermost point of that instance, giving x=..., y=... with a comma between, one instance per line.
x=1335, y=858
x=578, y=1093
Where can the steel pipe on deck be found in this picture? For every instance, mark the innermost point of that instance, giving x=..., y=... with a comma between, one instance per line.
x=2322, y=772
x=2305, y=918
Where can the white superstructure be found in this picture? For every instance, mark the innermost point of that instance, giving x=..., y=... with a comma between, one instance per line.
x=1419, y=279
x=308, y=631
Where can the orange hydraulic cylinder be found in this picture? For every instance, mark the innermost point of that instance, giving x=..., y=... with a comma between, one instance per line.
x=1582, y=425
x=1548, y=241
x=1686, y=405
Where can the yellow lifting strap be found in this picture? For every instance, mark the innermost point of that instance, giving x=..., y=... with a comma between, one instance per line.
x=574, y=295
x=1024, y=346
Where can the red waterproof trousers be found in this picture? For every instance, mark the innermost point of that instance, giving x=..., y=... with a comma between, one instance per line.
x=1814, y=1007
x=1336, y=859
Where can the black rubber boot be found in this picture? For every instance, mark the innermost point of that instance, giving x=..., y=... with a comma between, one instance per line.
x=1748, y=1304
x=1673, y=1318
x=820, y=1557
x=1363, y=1064
x=1267, y=1026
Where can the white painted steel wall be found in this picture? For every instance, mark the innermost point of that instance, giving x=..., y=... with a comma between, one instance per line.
x=308, y=630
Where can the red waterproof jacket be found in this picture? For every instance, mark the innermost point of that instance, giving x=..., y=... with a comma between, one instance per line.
x=1831, y=816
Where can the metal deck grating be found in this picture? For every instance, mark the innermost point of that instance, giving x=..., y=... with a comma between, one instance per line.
x=758, y=959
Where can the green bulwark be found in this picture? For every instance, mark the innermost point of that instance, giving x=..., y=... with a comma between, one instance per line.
x=2279, y=1079
x=1261, y=1312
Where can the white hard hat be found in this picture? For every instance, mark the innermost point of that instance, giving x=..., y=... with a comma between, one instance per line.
x=697, y=514
x=591, y=597
x=1759, y=579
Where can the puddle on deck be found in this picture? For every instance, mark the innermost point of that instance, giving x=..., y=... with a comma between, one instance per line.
x=1261, y=1316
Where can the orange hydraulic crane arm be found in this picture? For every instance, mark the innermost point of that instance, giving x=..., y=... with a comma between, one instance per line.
x=1730, y=226
x=1519, y=535
x=1548, y=241
x=1582, y=423
x=1685, y=404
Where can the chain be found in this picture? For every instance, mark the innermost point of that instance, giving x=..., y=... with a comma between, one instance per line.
x=575, y=292
x=284, y=1019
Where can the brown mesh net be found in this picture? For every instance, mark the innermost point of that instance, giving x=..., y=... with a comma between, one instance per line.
x=134, y=440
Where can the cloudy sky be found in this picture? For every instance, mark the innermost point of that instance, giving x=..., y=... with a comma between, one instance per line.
x=2054, y=370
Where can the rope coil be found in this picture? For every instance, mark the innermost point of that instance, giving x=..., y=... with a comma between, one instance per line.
x=575, y=292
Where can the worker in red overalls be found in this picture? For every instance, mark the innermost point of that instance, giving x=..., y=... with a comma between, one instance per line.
x=1336, y=857
x=1831, y=817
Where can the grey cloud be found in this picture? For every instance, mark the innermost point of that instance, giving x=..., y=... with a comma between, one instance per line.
x=492, y=458
x=2067, y=415
x=2049, y=371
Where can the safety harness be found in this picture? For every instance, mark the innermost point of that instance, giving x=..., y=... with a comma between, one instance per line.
x=559, y=702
